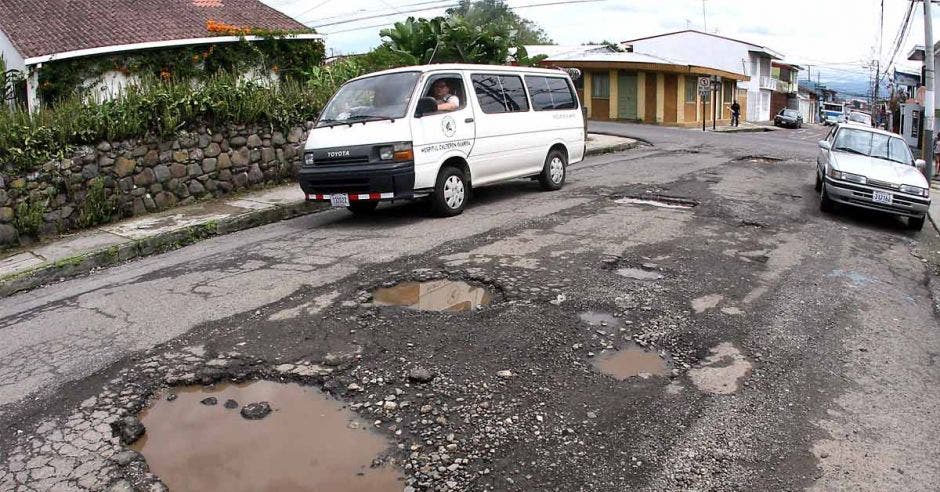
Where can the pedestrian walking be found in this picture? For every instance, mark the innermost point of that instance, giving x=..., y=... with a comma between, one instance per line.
x=735, y=112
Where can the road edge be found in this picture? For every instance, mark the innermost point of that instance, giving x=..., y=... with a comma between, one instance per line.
x=153, y=245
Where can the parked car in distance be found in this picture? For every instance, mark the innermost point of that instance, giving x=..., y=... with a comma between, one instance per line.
x=439, y=131
x=788, y=117
x=872, y=169
x=859, y=117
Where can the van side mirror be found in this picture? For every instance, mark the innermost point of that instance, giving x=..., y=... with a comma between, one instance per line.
x=825, y=145
x=425, y=105
x=921, y=166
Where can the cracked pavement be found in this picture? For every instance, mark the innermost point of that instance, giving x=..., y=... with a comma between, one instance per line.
x=802, y=346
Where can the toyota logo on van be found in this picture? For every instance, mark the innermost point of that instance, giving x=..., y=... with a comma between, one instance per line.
x=338, y=153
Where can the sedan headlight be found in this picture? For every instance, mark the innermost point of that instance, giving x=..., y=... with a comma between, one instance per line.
x=854, y=178
x=308, y=159
x=913, y=190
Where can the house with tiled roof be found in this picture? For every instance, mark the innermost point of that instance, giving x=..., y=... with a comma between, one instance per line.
x=35, y=34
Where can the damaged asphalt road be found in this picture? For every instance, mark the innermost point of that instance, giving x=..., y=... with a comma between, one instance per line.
x=799, y=350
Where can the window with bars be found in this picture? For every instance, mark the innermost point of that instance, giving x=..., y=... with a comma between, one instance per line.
x=600, y=85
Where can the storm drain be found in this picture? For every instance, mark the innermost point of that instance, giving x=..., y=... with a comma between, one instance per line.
x=658, y=201
x=435, y=295
x=631, y=361
x=216, y=439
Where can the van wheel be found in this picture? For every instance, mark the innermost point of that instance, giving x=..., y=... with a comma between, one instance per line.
x=363, y=207
x=915, y=223
x=450, y=192
x=554, y=171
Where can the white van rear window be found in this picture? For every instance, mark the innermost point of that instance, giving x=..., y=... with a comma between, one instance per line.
x=549, y=93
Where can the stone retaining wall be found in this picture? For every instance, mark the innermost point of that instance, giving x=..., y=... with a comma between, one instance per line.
x=147, y=175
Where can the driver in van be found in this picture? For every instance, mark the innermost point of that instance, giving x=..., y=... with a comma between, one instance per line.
x=445, y=100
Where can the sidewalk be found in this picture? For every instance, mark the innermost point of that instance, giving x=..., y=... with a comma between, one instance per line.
x=74, y=254
x=934, y=213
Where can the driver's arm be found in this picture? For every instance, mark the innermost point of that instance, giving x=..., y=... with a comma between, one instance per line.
x=450, y=104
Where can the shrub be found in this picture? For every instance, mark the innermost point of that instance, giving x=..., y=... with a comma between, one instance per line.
x=97, y=208
x=28, y=217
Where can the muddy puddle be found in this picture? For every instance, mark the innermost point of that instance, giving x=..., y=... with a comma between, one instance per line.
x=597, y=318
x=662, y=202
x=436, y=295
x=308, y=442
x=631, y=361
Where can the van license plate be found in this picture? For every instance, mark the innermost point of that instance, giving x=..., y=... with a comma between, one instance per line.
x=339, y=200
x=882, y=197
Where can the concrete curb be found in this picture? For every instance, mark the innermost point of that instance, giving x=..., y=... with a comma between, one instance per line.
x=156, y=244
x=639, y=140
x=613, y=148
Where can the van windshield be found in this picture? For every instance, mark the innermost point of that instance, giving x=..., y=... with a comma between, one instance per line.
x=380, y=97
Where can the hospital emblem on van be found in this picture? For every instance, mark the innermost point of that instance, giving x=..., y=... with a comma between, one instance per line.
x=449, y=126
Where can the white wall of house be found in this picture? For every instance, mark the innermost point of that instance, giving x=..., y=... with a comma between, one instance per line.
x=12, y=57
x=109, y=85
x=701, y=49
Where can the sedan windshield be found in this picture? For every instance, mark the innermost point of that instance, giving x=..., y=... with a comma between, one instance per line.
x=873, y=144
x=860, y=118
x=791, y=113
x=380, y=97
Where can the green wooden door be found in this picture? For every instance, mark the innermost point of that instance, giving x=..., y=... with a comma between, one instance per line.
x=626, y=96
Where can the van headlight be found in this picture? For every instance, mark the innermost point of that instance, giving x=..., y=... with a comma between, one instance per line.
x=401, y=151
x=853, y=178
x=308, y=159
x=913, y=190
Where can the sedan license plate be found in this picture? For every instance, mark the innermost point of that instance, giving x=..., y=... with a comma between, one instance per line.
x=882, y=197
x=339, y=200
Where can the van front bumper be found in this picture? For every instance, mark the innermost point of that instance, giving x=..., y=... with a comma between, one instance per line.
x=360, y=181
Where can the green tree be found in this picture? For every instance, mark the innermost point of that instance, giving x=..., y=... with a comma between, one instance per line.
x=486, y=12
x=485, y=31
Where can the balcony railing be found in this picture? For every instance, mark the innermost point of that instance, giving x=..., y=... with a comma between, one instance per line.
x=777, y=85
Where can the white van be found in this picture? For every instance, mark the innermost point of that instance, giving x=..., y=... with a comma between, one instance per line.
x=384, y=136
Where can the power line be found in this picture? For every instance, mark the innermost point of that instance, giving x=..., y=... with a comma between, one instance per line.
x=373, y=26
x=384, y=11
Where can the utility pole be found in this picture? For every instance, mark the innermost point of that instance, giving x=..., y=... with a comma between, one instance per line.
x=929, y=83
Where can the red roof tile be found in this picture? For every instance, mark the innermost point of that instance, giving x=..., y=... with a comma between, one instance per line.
x=45, y=27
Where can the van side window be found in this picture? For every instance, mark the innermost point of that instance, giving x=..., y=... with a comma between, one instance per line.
x=550, y=93
x=500, y=93
x=446, y=89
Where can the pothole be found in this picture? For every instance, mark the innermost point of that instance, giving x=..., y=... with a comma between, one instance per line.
x=658, y=201
x=308, y=442
x=435, y=295
x=631, y=361
x=597, y=318
x=639, y=274
x=759, y=159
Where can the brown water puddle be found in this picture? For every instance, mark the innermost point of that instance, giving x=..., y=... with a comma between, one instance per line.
x=308, y=442
x=631, y=361
x=436, y=295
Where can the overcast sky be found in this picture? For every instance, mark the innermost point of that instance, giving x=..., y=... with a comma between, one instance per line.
x=838, y=37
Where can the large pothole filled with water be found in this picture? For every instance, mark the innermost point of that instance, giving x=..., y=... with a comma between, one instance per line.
x=631, y=361
x=203, y=439
x=434, y=295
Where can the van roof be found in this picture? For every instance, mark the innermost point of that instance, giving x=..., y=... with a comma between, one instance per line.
x=468, y=66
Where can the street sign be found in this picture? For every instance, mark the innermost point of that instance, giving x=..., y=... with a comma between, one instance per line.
x=704, y=83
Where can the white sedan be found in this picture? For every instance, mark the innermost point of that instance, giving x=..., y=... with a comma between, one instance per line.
x=872, y=169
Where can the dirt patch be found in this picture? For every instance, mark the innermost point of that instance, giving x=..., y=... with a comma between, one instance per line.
x=308, y=442
x=722, y=372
